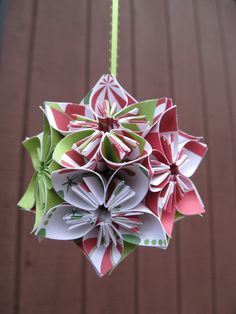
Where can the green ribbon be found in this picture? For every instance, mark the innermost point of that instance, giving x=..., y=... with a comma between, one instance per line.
x=114, y=36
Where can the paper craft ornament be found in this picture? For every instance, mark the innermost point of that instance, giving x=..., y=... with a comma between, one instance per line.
x=111, y=173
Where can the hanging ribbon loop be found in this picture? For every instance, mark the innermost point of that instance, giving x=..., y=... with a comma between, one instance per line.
x=114, y=37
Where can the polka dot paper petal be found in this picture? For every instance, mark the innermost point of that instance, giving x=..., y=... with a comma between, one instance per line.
x=112, y=174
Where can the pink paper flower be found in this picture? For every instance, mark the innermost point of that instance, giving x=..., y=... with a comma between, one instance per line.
x=174, y=159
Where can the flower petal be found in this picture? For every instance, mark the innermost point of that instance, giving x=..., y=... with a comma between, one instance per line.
x=80, y=149
x=166, y=124
x=82, y=188
x=55, y=226
x=108, y=88
x=136, y=178
x=142, y=116
x=120, y=147
x=151, y=202
x=191, y=203
x=68, y=117
x=160, y=170
x=195, y=152
x=149, y=233
x=168, y=219
x=185, y=137
x=102, y=258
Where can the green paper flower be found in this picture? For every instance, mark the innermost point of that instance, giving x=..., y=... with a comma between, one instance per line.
x=40, y=195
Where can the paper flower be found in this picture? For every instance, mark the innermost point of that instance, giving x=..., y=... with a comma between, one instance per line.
x=105, y=215
x=39, y=195
x=112, y=173
x=108, y=129
x=174, y=159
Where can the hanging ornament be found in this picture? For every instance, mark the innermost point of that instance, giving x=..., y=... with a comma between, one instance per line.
x=111, y=173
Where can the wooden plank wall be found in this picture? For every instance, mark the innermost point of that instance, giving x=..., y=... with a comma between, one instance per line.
x=56, y=50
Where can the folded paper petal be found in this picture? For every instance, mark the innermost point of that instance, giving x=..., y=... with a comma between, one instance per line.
x=176, y=198
x=108, y=88
x=142, y=116
x=191, y=203
x=28, y=199
x=160, y=170
x=134, y=176
x=120, y=147
x=167, y=114
x=39, y=197
x=103, y=258
x=168, y=219
x=59, y=224
x=195, y=152
x=79, y=149
x=150, y=232
x=69, y=117
x=83, y=188
x=185, y=137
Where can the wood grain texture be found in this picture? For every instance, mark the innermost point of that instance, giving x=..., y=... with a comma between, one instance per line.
x=13, y=86
x=222, y=186
x=57, y=50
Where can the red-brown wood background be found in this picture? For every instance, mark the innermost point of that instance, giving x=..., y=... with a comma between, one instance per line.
x=185, y=49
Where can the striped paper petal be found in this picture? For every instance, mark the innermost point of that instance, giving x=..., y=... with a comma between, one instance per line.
x=167, y=123
x=185, y=137
x=150, y=232
x=191, y=203
x=102, y=258
x=142, y=116
x=180, y=196
x=108, y=88
x=80, y=149
x=69, y=117
x=134, y=176
x=194, y=152
x=59, y=223
x=152, y=201
x=168, y=220
x=82, y=188
x=120, y=147
x=160, y=171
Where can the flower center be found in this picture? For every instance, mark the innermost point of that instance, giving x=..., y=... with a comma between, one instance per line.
x=107, y=233
x=42, y=167
x=174, y=169
x=104, y=215
x=106, y=124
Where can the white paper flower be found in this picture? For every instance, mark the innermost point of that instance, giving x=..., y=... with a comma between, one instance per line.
x=104, y=215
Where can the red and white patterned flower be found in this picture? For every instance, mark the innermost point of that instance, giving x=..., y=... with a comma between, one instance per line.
x=105, y=216
x=109, y=125
x=96, y=110
x=175, y=157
